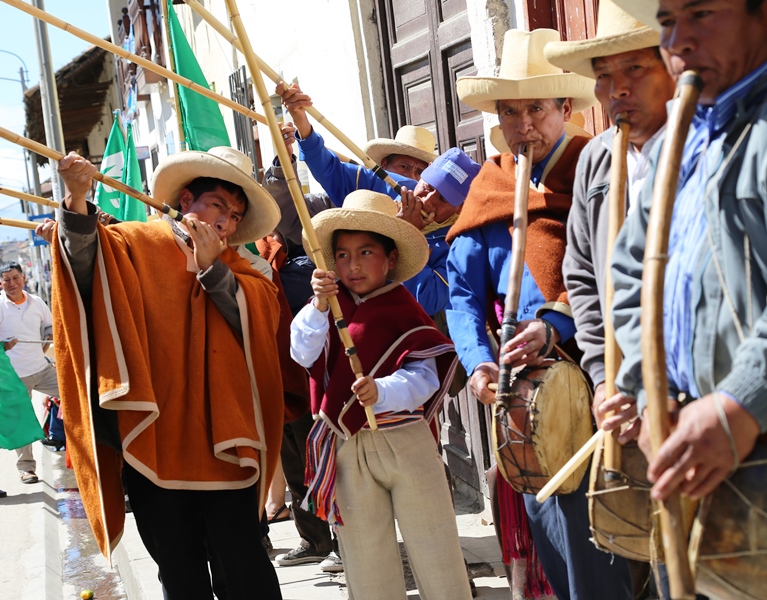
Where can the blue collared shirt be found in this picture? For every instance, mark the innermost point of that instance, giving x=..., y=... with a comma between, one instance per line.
x=688, y=240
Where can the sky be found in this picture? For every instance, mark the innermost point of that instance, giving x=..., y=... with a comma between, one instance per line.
x=17, y=35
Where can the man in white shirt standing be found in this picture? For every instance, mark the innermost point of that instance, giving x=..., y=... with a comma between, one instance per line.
x=26, y=317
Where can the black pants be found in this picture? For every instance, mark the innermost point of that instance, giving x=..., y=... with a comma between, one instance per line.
x=314, y=532
x=180, y=528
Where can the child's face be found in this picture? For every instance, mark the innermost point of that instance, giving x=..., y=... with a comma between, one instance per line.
x=361, y=262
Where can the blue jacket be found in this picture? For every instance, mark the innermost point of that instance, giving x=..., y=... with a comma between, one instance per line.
x=430, y=286
x=478, y=270
x=338, y=178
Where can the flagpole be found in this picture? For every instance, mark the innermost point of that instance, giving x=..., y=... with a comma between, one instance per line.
x=29, y=197
x=297, y=195
x=143, y=62
x=369, y=163
x=172, y=63
x=43, y=150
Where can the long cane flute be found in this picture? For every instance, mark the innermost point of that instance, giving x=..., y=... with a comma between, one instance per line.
x=143, y=62
x=368, y=162
x=44, y=150
x=616, y=215
x=517, y=266
x=297, y=195
x=616, y=211
x=17, y=223
x=29, y=197
x=681, y=581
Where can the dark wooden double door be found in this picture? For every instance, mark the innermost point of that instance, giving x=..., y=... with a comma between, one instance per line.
x=425, y=47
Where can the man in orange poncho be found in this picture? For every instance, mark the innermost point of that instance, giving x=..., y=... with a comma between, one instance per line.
x=169, y=370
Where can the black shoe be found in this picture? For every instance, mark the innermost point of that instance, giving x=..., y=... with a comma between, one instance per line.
x=3, y=494
x=58, y=445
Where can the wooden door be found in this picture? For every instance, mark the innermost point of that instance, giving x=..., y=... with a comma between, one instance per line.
x=426, y=46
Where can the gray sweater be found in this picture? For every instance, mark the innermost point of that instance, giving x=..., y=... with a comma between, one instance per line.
x=584, y=266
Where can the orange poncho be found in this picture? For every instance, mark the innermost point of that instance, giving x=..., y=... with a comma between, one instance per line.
x=198, y=407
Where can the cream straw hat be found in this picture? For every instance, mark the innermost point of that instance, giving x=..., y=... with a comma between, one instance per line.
x=644, y=10
x=526, y=74
x=617, y=32
x=416, y=142
x=178, y=170
x=364, y=210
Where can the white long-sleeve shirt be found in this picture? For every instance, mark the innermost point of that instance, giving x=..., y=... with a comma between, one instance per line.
x=406, y=389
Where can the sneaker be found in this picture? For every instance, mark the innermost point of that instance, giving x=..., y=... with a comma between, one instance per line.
x=332, y=564
x=299, y=556
x=28, y=477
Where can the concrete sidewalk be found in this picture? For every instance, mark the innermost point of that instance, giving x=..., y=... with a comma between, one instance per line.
x=49, y=552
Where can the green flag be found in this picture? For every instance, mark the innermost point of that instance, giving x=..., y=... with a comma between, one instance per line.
x=107, y=198
x=130, y=208
x=18, y=423
x=201, y=117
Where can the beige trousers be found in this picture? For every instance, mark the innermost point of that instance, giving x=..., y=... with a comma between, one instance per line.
x=391, y=472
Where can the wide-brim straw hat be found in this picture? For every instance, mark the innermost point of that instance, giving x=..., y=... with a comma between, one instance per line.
x=178, y=170
x=364, y=210
x=413, y=141
x=617, y=32
x=526, y=74
x=573, y=127
x=644, y=10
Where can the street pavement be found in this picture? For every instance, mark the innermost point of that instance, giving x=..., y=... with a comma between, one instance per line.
x=48, y=551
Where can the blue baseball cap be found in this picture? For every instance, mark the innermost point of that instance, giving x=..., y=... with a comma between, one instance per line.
x=451, y=175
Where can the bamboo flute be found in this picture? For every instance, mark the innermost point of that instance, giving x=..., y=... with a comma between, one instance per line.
x=114, y=183
x=233, y=39
x=143, y=62
x=297, y=195
x=17, y=223
x=517, y=266
x=29, y=197
x=654, y=374
x=617, y=213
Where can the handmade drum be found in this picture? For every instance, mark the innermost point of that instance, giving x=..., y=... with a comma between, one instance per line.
x=620, y=511
x=540, y=426
x=729, y=538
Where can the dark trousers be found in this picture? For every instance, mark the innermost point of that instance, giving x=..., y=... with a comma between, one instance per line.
x=181, y=528
x=574, y=567
x=314, y=532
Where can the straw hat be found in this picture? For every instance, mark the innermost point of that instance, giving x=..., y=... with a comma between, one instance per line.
x=526, y=74
x=644, y=10
x=179, y=170
x=573, y=127
x=364, y=210
x=417, y=142
x=617, y=32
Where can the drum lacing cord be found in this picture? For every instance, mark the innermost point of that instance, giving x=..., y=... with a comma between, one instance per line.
x=726, y=292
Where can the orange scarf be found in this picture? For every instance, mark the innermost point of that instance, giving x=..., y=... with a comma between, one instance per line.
x=491, y=199
x=198, y=407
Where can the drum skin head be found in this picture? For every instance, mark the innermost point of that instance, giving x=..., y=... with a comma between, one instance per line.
x=731, y=545
x=541, y=425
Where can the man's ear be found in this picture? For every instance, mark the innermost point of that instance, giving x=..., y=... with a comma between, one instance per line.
x=567, y=109
x=185, y=200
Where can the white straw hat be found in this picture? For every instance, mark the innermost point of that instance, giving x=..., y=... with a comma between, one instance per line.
x=617, y=32
x=178, y=170
x=526, y=74
x=644, y=10
x=416, y=142
x=364, y=210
